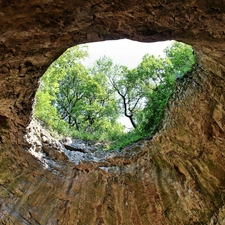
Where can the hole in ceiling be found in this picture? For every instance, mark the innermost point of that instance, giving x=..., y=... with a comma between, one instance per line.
x=117, y=95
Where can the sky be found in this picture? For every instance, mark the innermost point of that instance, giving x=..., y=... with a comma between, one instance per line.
x=124, y=52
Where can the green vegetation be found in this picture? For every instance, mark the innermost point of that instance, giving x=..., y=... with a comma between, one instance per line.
x=86, y=103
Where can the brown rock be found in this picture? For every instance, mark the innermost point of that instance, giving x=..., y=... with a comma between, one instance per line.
x=178, y=177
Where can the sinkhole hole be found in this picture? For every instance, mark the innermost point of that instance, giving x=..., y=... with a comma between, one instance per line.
x=112, y=91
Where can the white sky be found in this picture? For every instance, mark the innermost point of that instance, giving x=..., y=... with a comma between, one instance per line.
x=124, y=52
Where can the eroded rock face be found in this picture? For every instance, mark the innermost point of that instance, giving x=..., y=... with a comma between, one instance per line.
x=178, y=177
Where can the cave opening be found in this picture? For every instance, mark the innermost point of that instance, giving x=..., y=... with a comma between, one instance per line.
x=97, y=99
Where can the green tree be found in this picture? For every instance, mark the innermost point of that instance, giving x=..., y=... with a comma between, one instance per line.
x=85, y=100
x=129, y=90
x=89, y=101
x=162, y=72
x=70, y=94
x=46, y=95
x=181, y=57
x=122, y=81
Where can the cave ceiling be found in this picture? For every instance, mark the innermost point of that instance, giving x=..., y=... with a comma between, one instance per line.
x=178, y=177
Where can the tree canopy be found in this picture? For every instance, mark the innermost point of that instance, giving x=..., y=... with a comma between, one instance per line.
x=87, y=102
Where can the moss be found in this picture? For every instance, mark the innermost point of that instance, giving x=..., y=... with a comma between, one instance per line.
x=4, y=193
x=5, y=173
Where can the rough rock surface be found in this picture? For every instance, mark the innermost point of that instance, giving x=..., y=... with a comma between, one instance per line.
x=178, y=177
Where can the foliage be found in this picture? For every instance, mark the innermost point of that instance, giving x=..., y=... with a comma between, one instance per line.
x=86, y=102
x=77, y=101
x=125, y=138
x=181, y=58
x=49, y=86
x=129, y=89
x=162, y=72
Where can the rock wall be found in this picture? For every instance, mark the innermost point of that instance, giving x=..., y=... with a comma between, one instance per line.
x=178, y=177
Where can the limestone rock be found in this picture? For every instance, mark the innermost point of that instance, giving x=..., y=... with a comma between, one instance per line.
x=178, y=177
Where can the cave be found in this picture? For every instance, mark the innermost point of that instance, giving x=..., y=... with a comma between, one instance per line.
x=177, y=177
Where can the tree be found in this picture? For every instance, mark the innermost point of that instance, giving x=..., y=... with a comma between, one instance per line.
x=84, y=99
x=71, y=92
x=90, y=100
x=163, y=72
x=46, y=95
x=181, y=57
x=123, y=83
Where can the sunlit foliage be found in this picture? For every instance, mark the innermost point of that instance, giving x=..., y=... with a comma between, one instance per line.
x=87, y=102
